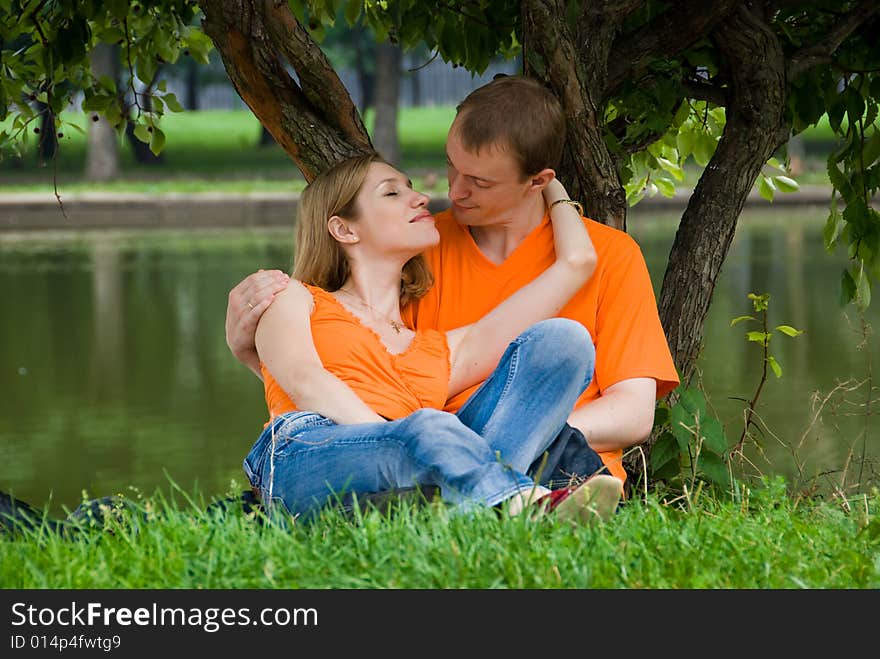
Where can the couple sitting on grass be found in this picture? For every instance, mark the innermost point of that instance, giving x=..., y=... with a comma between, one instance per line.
x=477, y=375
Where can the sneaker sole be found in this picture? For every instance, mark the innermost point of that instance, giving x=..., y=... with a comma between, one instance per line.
x=593, y=501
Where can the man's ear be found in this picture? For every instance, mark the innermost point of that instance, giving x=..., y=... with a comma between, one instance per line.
x=540, y=180
x=341, y=230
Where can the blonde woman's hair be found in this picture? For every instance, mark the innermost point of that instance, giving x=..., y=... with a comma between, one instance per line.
x=318, y=258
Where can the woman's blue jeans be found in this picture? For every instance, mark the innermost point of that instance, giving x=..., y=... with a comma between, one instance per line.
x=478, y=456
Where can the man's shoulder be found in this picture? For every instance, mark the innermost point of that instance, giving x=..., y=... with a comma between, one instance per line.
x=606, y=237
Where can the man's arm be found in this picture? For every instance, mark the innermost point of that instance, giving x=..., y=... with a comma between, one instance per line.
x=620, y=418
x=247, y=302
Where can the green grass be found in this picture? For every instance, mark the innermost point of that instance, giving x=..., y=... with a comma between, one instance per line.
x=769, y=541
x=214, y=150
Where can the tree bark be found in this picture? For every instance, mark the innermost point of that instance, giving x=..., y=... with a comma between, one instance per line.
x=102, y=155
x=311, y=117
x=575, y=68
x=755, y=128
x=385, y=139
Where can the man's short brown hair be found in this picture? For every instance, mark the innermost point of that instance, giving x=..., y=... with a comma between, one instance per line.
x=515, y=113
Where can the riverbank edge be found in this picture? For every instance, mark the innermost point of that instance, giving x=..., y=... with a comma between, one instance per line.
x=103, y=210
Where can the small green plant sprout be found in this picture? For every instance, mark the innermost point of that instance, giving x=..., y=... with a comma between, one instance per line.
x=761, y=302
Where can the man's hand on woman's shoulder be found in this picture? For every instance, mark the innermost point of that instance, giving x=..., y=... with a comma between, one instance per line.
x=247, y=302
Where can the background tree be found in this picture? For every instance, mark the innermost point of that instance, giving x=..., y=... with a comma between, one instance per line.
x=102, y=156
x=645, y=86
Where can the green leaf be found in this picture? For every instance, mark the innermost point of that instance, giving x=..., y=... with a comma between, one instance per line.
x=158, y=141
x=831, y=232
x=685, y=142
x=713, y=435
x=766, y=187
x=693, y=402
x=352, y=11
x=788, y=330
x=713, y=469
x=703, y=148
x=855, y=104
x=672, y=168
x=758, y=337
x=863, y=291
x=96, y=103
x=664, y=450
x=739, y=319
x=680, y=421
x=172, y=102
x=661, y=415
x=665, y=186
x=141, y=132
x=847, y=288
x=786, y=184
x=774, y=365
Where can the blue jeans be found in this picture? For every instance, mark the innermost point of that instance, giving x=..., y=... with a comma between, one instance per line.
x=479, y=456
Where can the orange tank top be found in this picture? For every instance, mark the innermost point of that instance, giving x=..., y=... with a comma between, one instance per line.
x=392, y=385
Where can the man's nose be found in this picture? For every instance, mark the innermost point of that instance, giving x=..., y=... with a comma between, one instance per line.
x=457, y=188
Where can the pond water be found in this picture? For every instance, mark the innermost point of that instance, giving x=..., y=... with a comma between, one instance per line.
x=116, y=377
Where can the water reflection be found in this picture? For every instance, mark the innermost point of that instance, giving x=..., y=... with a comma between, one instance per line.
x=833, y=361
x=116, y=375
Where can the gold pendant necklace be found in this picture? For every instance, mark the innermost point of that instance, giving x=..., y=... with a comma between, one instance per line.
x=396, y=326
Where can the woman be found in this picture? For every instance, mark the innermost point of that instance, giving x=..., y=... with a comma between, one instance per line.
x=356, y=397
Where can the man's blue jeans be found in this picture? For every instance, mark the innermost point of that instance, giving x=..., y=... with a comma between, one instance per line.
x=478, y=456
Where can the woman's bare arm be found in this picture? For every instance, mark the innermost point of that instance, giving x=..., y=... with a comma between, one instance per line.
x=286, y=348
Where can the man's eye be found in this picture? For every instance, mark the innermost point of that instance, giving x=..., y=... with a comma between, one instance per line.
x=391, y=193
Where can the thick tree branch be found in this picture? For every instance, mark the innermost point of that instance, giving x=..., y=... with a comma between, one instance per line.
x=821, y=51
x=669, y=33
x=591, y=175
x=755, y=128
x=618, y=10
x=317, y=78
x=314, y=135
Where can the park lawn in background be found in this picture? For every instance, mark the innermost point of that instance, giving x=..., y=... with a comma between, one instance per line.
x=204, y=147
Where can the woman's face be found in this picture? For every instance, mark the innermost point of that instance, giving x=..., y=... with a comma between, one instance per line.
x=392, y=217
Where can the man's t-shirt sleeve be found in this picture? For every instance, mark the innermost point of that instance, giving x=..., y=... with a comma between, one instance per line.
x=630, y=342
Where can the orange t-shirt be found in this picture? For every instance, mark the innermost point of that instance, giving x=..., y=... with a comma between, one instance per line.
x=617, y=305
x=392, y=385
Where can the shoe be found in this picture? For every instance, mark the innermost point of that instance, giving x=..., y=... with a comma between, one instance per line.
x=593, y=500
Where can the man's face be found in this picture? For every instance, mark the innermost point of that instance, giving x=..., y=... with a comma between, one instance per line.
x=485, y=188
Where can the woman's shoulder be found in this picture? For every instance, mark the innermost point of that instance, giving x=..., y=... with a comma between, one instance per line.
x=298, y=293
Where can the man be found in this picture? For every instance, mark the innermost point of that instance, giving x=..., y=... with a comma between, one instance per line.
x=503, y=145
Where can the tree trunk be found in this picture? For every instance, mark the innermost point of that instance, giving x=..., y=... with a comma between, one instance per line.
x=312, y=118
x=388, y=60
x=575, y=68
x=755, y=128
x=192, y=84
x=102, y=155
x=366, y=77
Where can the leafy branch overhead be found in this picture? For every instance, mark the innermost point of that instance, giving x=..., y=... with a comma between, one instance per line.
x=647, y=88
